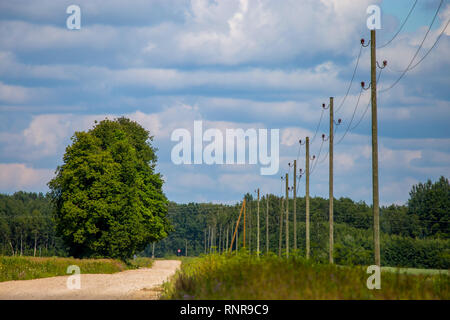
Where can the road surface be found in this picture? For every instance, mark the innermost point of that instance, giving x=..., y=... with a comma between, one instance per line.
x=144, y=283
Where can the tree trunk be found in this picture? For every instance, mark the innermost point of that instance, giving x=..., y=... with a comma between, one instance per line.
x=12, y=248
x=35, y=241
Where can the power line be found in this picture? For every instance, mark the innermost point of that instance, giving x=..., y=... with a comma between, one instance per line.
x=417, y=52
x=314, y=165
x=401, y=27
x=353, y=116
x=318, y=125
x=367, y=107
x=432, y=47
x=353, y=77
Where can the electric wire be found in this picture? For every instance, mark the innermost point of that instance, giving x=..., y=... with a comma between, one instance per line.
x=353, y=116
x=401, y=27
x=351, y=81
x=367, y=107
x=432, y=47
x=417, y=52
x=318, y=125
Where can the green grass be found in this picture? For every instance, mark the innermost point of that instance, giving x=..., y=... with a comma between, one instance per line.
x=26, y=268
x=415, y=271
x=246, y=277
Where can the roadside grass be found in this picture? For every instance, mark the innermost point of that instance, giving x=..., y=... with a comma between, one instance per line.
x=26, y=268
x=415, y=271
x=246, y=277
x=140, y=262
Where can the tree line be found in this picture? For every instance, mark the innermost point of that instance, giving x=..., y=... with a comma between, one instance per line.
x=412, y=235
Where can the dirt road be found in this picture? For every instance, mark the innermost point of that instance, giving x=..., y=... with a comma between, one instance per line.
x=132, y=284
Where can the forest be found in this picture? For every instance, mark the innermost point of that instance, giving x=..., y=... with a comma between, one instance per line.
x=412, y=235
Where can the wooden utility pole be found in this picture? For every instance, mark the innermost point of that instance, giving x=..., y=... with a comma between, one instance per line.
x=375, y=192
x=281, y=226
x=236, y=234
x=250, y=229
x=209, y=239
x=186, y=252
x=257, y=226
x=244, y=229
x=220, y=239
x=267, y=223
x=330, y=217
x=212, y=240
x=237, y=239
x=227, y=239
x=307, y=198
x=295, y=205
x=287, y=215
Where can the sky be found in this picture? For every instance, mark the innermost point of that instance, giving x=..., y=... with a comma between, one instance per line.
x=231, y=64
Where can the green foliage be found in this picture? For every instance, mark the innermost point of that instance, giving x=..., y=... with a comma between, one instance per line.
x=431, y=203
x=108, y=199
x=245, y=276
x=402, y=238
x=26, y=268
x=26, y=224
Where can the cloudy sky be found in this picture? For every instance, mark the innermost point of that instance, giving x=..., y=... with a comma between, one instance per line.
x=233, y=64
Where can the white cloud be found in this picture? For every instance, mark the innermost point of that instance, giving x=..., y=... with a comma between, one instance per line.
x=13, y=94
x=18, y=176
x=291, y=136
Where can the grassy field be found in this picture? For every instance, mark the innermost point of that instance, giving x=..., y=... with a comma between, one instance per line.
x=415, y=271
x=25, y=268
x=246, y=277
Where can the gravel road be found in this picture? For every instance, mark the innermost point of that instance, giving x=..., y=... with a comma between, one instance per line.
x=131, y=284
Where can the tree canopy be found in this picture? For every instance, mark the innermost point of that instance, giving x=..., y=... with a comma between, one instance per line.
x=108, y=198
x=431, y=202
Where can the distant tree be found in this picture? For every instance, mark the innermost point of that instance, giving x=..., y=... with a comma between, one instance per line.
x=108, y=198
x=431, y=202
x=396, y=220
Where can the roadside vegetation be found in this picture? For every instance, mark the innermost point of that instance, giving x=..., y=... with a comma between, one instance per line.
x=26, y=268
x=246, y=277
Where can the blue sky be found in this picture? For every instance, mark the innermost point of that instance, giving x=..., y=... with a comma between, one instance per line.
x=233, y=64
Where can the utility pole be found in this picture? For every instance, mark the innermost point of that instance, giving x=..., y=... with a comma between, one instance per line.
x=153, y=251
x=295, y=205
x=287, y=215
x=257, y=225
x=220, y=239
x=250, y=229
x=227, y=239
x=375, y=192
x=267, y=223
x=186, y=252
x=237, y=238
x=205, y=240
x=244, y=229
x=212, y=240
x=330, y=138
x=307, y=198
x=209, y=239
x=281, y=226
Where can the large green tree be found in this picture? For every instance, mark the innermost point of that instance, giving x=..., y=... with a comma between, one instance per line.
x=108, y=197
x=431, y=202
